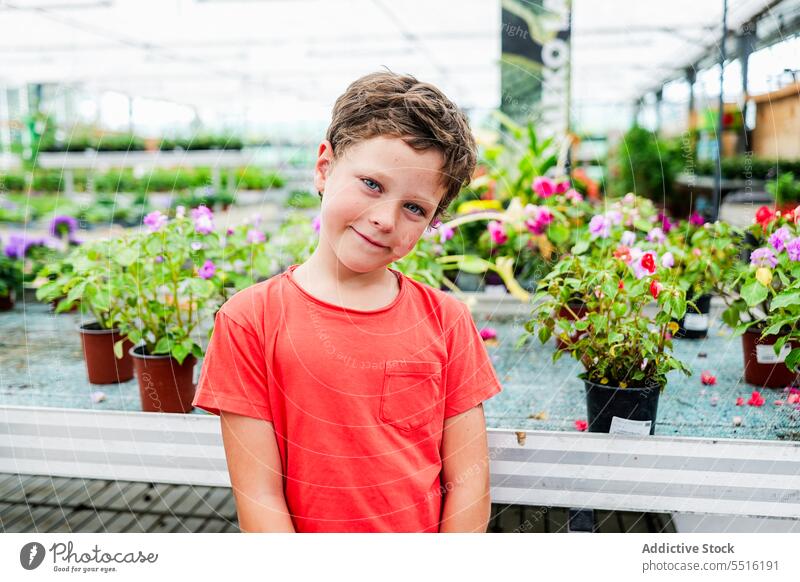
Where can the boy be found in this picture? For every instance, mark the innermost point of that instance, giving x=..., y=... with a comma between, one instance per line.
x=350, y=395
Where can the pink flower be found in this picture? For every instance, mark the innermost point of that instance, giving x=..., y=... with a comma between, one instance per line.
x=628, y=238
x=696, y=219
x=207, y=270
x=666, y=223
x=544, y=186
x=740, y=401
x=581, y=425
x=155, y=221
x=255, y=236
x=574, y=196
x=488, y=333
x=541, y=217
x=756, y=399
x=203, y=220
x=497, y=232
x=667, y=260
x=446, y=232
x=708, y=379
x=316, y=224
x=644, y=264
x=656, y=235
x=562, y=187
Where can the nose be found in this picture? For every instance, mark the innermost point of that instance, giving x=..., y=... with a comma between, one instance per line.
x=382, y=217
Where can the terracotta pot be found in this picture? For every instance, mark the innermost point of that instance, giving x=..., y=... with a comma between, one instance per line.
x=762, y=367
x=694, y=325
x=578, y=309
x=102, y=366
x=164, y=384
x=633, y=407
x=7, y=301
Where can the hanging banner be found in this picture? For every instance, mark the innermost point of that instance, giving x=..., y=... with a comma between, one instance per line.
x=535, y=63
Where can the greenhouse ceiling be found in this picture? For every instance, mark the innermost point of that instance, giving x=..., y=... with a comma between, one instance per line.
x=284, y=60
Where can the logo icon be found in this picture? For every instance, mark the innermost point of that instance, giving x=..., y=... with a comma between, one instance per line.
x=31, y=555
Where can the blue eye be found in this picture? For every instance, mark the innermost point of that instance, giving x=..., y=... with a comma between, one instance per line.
x=370, y=183
x=421, y=210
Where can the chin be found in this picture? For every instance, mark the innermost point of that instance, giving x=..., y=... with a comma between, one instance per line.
x=360, y=264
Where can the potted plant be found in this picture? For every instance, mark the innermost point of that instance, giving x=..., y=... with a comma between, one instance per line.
x=703, y=255
x=178, y=285
x=626, y=354
x=91, y=276
x=752, y=292
x=786, y=191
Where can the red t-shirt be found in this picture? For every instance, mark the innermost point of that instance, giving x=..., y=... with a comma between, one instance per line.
x=357, y=398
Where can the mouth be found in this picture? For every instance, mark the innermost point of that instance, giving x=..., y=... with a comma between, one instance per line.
x=369, y=240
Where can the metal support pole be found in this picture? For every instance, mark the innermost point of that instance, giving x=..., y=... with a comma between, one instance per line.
x=718, y=174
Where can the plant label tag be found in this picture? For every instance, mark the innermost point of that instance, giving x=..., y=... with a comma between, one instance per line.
x=629, y=427
x=695, y=322
x=766, y=354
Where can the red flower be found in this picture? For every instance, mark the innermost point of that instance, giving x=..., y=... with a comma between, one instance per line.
x=655, y=288
x=649, y=263
x=764, y=216
x=727, y=119
x=756, y=399
x=581, y=425
x=740, y=401
x=623, y=252
x=621, y=285
x=708, y=379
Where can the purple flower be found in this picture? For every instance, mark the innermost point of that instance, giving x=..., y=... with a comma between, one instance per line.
x=159, y=259
x=207, y=270
x=793, y=249
x=203, y=220
x=230, y=231
x=763, y=257
x=446, y=233
x=63, y=225
x=696, y=219
x=497, y=232
x=615, y=216
x=628, y=238
x=656, y=235
x=666, y=224
x=19, y=246
x=667, y=260
x=779, y=238
x=255, y=236
x=155, y=221
x=544, y=186
x=600, y=226
x=316, y=224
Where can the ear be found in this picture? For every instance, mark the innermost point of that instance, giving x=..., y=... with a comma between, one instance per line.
x=323, y=165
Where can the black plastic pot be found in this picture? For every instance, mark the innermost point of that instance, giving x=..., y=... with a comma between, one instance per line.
x=694, y=325
x=604, y=402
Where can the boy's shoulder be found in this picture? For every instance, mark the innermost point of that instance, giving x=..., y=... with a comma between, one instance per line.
x=250, y=305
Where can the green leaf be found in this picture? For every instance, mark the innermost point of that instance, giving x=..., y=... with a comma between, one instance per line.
x=558, y=233
x=786, y=300
x=125, y=256
x=793, y=360
x=580, y=247
x=118, y=349
x=77, y=291
x=473, y=264
x=163, y=346
x=544, y=334
x=754, y=293
x=179, y=352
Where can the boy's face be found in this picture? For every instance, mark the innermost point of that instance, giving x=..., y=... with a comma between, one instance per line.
x=380, y=189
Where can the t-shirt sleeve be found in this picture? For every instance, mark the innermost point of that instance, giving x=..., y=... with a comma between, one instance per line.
x=234, y=373
x=470, y=377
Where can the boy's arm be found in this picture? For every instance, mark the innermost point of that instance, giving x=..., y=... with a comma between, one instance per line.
x=465, y=473
x=254, y=465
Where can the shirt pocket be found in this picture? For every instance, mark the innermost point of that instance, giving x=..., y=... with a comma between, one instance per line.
x=410, y=393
